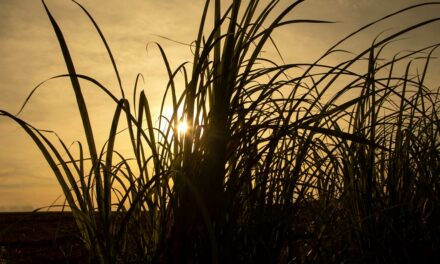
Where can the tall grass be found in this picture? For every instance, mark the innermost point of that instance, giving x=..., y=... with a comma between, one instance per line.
x=275, y=167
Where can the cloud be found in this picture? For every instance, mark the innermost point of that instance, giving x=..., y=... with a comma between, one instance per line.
x=356, y=4
x=16, y=208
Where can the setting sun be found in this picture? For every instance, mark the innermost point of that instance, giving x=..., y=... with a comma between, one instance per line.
x=182, y=127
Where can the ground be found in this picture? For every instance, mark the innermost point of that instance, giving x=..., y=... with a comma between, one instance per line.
x=49, y=237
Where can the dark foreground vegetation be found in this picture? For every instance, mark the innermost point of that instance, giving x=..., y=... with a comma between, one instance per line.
x=282, y=163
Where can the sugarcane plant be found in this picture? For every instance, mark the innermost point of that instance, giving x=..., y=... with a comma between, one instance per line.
x=276, y=164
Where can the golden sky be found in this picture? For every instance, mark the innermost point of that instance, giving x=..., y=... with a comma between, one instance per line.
x=29, y=54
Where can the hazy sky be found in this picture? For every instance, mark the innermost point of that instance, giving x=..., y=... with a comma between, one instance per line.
x=29, y=54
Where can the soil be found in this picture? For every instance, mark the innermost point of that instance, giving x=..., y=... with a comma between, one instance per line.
x=43, y=237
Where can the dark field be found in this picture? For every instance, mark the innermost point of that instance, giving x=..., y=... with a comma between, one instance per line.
x=50, y=237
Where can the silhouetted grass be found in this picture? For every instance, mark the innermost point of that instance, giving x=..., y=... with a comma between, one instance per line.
x=275, y=167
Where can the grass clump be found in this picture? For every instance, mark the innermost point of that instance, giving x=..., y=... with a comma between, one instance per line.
x=274, y=167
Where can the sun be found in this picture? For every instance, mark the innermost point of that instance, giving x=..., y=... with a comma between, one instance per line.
x=182, y=128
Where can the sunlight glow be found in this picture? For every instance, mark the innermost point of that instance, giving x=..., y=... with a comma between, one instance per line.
x=182, y=128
